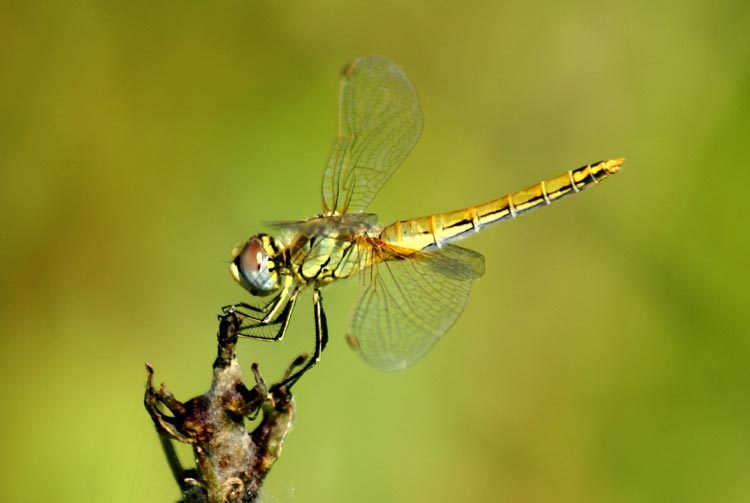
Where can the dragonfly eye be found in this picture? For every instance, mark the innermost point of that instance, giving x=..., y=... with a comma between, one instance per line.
x=252, y=264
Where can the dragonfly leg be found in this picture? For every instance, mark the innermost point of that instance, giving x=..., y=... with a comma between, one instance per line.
x=269, y=328
x=321, y=339
x=268, y=312
x=248, y=307
x=259, y=312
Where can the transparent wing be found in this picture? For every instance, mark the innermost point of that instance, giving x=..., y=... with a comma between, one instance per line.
x=379, y=123
x=406, y=305
x=357, y=221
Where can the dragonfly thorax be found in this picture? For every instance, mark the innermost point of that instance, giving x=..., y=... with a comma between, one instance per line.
x=255, y=265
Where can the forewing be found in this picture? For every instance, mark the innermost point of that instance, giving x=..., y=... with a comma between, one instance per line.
x=379, y=123
x=406, y=305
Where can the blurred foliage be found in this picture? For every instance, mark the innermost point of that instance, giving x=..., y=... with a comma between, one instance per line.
x=603, y=357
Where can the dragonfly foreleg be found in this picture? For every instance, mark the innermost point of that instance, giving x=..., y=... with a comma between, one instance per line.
x=270, y=312
x=259, y=313
x=270, y=327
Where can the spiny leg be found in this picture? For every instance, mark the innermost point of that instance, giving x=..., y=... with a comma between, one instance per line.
x=321, y=339
x=269, y=312
x=254, y=314
x=259, y=313
x=252, y=330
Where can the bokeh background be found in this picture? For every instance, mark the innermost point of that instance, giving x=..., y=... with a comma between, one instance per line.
x=604, y=356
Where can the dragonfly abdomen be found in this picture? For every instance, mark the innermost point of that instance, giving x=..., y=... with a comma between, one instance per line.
x=436, y=230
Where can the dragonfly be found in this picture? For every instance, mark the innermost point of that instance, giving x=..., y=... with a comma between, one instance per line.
x=414, y=281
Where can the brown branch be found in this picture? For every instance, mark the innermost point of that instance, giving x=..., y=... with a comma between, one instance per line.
x=231, y=463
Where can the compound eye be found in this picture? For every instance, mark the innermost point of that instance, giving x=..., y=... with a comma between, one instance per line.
x=252, y=257
x=252, y=263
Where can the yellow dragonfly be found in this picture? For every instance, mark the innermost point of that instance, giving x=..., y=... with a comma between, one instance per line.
x=414, y=283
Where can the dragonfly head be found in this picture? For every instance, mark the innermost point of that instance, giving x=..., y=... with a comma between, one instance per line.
x=255, y=265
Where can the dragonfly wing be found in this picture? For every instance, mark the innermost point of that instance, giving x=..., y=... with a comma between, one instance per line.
x=407, y=304
x=379, y=123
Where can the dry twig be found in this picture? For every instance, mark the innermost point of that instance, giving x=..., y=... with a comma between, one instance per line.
x=231, y=463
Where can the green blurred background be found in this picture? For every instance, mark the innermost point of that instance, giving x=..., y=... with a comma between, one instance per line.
x=604, y=356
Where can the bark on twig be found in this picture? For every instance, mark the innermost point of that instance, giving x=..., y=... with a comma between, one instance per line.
x=231, y=463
